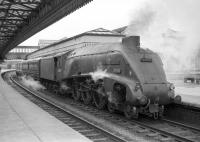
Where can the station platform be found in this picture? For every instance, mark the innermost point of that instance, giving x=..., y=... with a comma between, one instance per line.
x=23, y=121
x=189, y=92
x=189, y=95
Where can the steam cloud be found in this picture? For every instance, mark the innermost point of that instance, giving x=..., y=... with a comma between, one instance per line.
x=170, y=28
x=30, y=82
x=64, y=86
x=100, y=73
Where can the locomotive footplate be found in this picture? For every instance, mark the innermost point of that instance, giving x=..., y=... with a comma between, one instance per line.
x=153, y=108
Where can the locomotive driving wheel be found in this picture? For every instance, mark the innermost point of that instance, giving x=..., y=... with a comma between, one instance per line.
x=86, y=97
x=130, y=112
x=111, y=107
x=76, y=94
x=99, y=98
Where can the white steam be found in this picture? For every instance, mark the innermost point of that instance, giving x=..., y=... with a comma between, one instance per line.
x=100, y=73
x=30, y=82
x=63, y=86
x=170, y=28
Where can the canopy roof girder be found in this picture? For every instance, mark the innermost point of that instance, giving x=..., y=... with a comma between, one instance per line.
x=20, y=19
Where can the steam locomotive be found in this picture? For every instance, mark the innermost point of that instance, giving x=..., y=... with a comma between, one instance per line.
x=119, y=76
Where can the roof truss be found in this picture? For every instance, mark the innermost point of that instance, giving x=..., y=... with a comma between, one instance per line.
x=20, y=19
x=14, y=14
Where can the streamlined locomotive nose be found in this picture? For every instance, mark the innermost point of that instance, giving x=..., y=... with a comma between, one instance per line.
x=157, y=93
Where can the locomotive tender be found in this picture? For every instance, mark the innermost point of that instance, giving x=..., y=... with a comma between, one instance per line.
x=131, y=79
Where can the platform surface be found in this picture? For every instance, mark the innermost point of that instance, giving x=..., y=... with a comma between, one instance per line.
x=189, y=92
x=23, y=121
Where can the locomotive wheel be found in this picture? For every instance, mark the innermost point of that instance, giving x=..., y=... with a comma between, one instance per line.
x=99, y=100
x=76, y=95
x=86, y=97
x=129, y=113
x=111, y=107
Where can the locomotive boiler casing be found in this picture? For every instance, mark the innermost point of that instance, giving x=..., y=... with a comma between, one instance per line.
x=125, y=64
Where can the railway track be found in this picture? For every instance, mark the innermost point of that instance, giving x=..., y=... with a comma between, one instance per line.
x=84, y=127
x=178, y=131
x=185, y=113
x=161, y=130
x=143, y=129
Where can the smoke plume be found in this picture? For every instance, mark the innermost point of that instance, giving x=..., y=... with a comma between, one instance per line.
x=170, y=28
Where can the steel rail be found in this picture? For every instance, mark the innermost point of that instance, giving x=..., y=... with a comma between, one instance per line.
x=105, y=132
x=177, y=137
x=181, y=124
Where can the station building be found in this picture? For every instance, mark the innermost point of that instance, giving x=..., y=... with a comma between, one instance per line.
x=89, y=38
x=43, y=43
x=20, y=52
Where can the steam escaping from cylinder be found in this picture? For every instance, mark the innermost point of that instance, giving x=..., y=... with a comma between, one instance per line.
x=99, y=73
x=64, y=89
x=170, y=28
x=30, y=82
x=110, y=98
x=63, y=86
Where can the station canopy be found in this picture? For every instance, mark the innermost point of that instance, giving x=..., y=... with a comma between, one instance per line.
x=13, y=16
x=20, y=19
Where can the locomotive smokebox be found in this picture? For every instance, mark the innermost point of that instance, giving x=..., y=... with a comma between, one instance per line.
x=132, y=42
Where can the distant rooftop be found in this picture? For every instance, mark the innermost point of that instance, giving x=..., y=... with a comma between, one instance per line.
x=20, y=52
x=95, y=32
x=24, y=49
x=120, y=30
x=46, y=41
x=95, y=36
x=102, y=31
x=43, y=42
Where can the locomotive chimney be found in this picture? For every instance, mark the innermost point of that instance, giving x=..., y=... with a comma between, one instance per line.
x=132, y=42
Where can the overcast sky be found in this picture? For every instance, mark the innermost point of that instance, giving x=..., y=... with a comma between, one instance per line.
x=111, y=14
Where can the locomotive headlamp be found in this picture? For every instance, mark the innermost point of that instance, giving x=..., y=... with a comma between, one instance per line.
x=177, y=99
x=171, y=87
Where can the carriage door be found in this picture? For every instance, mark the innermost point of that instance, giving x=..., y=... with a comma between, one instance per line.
x=58, y=68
